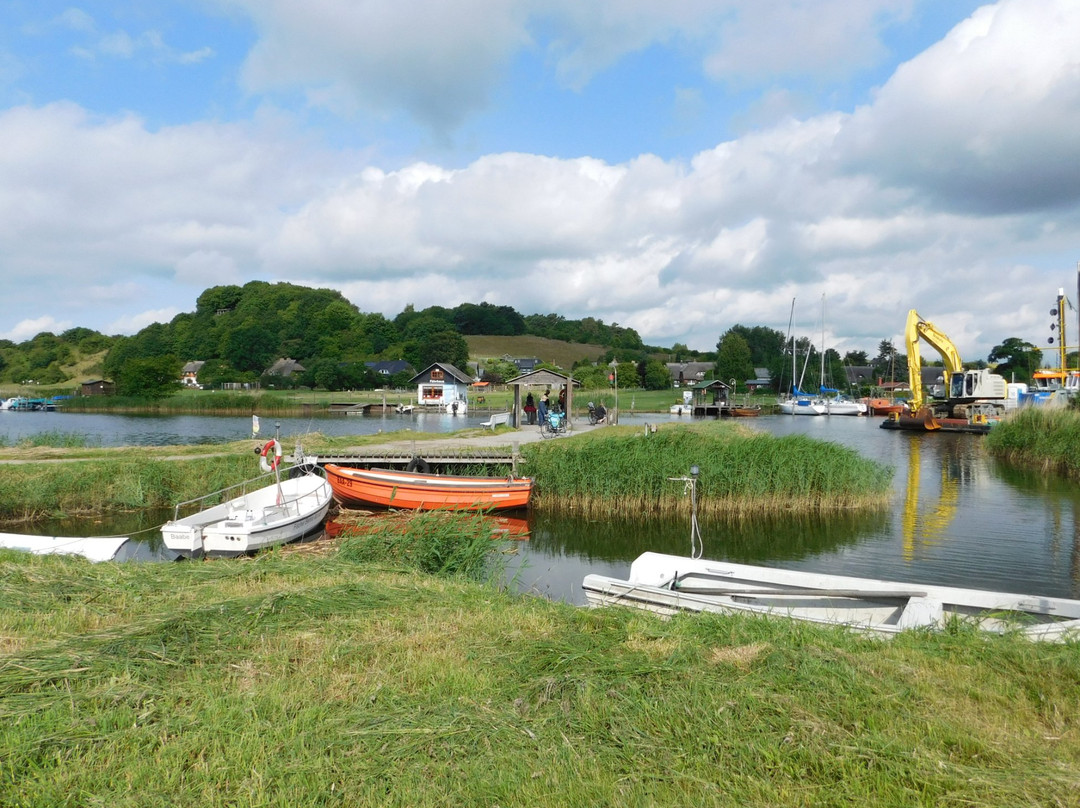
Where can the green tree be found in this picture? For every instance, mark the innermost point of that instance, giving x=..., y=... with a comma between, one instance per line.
x=252, y=347
x=1016, y=358
x=153, y=377
x=655, y=375
x=439, y=346
x=733, y=358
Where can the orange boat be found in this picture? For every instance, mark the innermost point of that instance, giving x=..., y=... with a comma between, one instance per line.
x=883, y=406
x=364, y=488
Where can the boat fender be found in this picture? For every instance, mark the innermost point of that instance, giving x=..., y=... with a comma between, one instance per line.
x=418, y=464
x=270, y=457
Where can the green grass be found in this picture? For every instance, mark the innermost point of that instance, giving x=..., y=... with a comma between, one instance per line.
x=627, y=469
x=291, y=680
x=1041, y=438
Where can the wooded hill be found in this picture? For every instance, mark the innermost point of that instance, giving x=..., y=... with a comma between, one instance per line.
x=240, y=331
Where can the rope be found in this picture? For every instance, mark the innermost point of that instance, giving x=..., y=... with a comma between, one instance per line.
x=697, y=544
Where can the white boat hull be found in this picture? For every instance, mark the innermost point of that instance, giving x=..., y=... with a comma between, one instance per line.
x=102, y=548
x=274, y=514
x=802, y=406
x=844, y=407
x=667, y=584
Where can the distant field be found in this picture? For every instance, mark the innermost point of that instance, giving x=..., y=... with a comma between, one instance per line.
x=563, y=354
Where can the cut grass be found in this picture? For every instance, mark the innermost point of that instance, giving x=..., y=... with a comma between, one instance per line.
x=289, y=680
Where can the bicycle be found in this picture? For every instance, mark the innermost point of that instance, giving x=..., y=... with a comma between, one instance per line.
x=555, y=424
x=597, y=415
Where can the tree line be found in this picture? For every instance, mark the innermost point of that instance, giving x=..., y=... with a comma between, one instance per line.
x=240, y=331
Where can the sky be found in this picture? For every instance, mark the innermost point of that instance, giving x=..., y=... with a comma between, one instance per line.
x=675, y=167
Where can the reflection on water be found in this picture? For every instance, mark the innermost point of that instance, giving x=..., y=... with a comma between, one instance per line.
x=957, y=518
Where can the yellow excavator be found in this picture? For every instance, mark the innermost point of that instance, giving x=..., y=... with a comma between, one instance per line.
x=973, y=395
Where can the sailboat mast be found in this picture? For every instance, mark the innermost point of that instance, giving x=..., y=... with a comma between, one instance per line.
x=821, y=381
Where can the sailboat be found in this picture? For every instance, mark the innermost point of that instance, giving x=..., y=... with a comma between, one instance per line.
x=798, y=402
x=836, y=403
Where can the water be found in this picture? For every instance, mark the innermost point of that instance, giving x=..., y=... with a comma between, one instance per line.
x=957, y=517
x=172, y=430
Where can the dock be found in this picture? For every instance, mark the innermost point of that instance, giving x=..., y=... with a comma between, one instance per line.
x=433, y=456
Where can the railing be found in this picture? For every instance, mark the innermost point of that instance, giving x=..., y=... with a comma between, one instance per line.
x=242, y=488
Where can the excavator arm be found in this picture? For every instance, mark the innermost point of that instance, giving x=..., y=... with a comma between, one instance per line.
x=918, y=328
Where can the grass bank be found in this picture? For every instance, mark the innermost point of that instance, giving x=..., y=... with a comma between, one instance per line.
x=291, y=680
x=1041, y=438
x=742, y=472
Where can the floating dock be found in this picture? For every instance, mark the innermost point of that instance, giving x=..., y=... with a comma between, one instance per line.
x=906, y=422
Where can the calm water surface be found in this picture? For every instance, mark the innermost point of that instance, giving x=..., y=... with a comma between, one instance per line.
x=957, y=517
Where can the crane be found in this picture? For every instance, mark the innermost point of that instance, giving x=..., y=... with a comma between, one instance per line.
x=968, y=392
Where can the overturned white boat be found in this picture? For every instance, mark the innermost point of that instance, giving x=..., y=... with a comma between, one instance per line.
x=668, y=584
x=95, y=548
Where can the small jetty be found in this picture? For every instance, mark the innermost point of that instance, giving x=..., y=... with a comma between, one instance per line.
x=401, y=458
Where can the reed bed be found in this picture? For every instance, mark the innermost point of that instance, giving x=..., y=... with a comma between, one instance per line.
x=202, y=403
x=126, y=481
x=1041, y=438
x=741, y=472
x=435, y=542
x=285, y=681
x=52, y=438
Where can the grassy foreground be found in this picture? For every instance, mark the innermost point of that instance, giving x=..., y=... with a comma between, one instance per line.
x=309, y=680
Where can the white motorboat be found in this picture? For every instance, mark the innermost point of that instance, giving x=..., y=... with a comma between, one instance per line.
x=668, y=584
x=103, y=548
x=249, y=517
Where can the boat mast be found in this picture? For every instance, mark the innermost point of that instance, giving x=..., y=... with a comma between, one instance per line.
x=821, y=381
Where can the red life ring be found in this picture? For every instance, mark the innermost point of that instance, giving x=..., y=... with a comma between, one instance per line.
x=270, y=457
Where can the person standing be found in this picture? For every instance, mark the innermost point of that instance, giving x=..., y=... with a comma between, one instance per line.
x=530, y=409
x=562, y=401
x=545, y=400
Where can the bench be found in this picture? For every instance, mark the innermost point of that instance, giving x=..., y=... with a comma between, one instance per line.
x=495, y=419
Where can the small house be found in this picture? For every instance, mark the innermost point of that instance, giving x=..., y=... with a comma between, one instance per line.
x=441, y=385
x=189, y=376
x=98, y=387
x=389, y=367
x=686, y=374
x=285, y=367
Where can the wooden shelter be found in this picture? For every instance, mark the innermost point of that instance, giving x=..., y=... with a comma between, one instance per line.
x=549, y=380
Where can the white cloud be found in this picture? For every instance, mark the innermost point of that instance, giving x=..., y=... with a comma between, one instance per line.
x=882, y=210
x=984, y=120
x=26, y=329
x=136, y=322
x=439, y=61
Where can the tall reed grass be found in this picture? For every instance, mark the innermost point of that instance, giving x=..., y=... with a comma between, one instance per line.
x=436, y=542
x=1041, y=438
x=53, y=438
x=124, y=482
x=741, y=472
x=205, y=403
